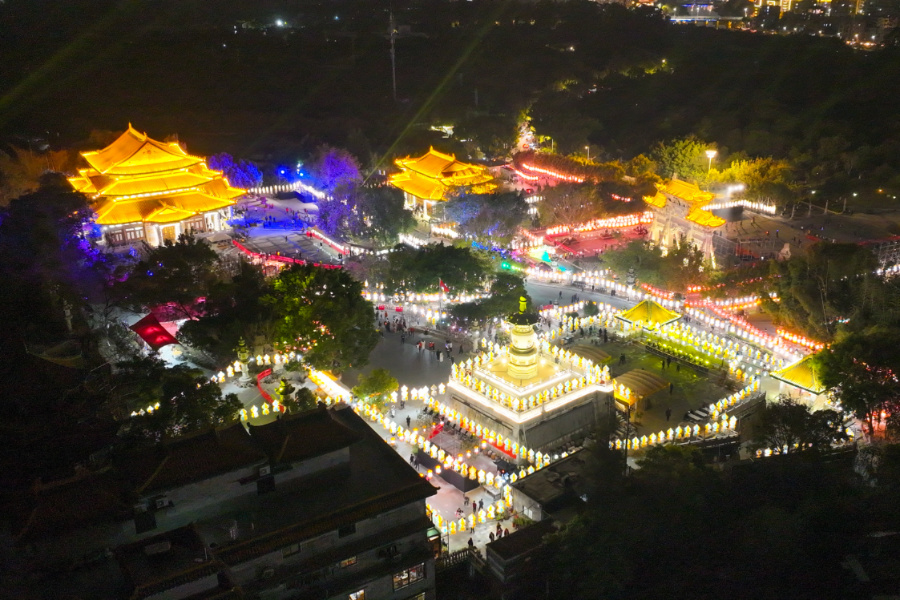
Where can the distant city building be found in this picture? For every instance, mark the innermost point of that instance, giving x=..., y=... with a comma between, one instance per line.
x=314, y=505
x=145, y=190
x=430, y=178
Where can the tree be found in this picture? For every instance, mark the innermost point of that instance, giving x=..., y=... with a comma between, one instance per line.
x=302, y=401
x=862, y=369
x=463, y=270
x=570, y=203
x=685, y=157
x=335, y=171
x=764, y=179
x=321, y=313
x=240, y=173
x=789, y=425
x=233, y=310
x=489, y=218
x=187, y=401
x=505, y=291
x=380, y=215
x=178, y=273
x=375, y=386
x=21, y=170
x=829, y=283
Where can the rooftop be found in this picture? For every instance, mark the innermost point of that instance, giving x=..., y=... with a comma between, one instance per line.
x=562, y=478
x=297, y=437
x=522, y=541
x=165, y=561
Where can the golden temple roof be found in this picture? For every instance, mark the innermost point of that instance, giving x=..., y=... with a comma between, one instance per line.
x=140, y=179
x=687, y=191
x=432, y=175
x=648, y=312
x=693, y=195
x=801, y=375
x=135, y=153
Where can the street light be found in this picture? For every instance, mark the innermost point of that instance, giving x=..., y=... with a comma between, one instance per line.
x=588, y=148
x=710, y=154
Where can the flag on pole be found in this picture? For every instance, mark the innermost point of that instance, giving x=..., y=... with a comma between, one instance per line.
x=443, y=285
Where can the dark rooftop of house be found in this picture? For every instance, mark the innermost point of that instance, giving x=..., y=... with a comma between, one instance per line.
x=165, y=561
x=562, y=478
x=305, y=435
x=66, y=504
x=377, y=480
x=522, y=541
x=201, y=456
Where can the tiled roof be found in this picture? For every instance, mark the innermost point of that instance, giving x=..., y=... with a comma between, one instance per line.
x=86, y=498
x=297, y=437
x=205, y=455
x=522, y=541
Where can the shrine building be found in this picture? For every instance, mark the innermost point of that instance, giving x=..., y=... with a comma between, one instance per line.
x=144, y=190
x=430, y=178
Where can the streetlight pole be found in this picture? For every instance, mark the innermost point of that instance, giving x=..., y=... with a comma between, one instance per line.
x=710, y=154
x=588, y=148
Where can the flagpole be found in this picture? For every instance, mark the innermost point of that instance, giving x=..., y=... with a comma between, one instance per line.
x=440, y=301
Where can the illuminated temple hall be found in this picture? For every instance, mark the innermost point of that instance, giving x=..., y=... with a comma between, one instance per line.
x=428, y=179
x=145, y=190
x=530, y=392
x=680, y=216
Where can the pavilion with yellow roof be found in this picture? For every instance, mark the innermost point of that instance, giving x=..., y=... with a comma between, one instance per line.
x=145, y=190
x=428, y=179
x=802, y=380
x=649, y=314
x=680, y=216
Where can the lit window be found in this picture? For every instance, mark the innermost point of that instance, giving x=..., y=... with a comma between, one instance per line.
x=360, y=595
x=347, y=562
x=409, y=576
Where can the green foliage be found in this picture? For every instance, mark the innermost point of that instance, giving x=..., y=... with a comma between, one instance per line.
x=683, y=265
x=489, y=218
x=569, y=203
x=764, y=179
x=829, y=282
x=322, y=313
x=506, y=289
x=684, y=157
x=176, y=272
x=188, y=401
x=862, y=369
x=492, y=135
x=302, y=401
x=234, y=310
x=790, y=423
x=418, y=270
x=591, y=309
x=375, y=386
x=380, y=215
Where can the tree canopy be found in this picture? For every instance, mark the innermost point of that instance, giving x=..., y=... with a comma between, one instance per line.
x=463, y=270
x=321, y=312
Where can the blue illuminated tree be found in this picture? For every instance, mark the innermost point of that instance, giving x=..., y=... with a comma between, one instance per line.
x=335, y=171
x=240, y=173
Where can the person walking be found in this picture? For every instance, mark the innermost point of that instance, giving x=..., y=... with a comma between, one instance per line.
x=471, y=544
x=408, y=421
x=460, y=348
x=491, y=535
x=481, y=504
x=671, y=388
x=668, y=414
x=465, y=500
